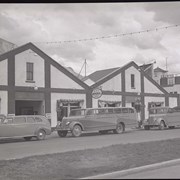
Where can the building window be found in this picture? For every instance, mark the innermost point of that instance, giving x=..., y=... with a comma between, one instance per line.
x=171, y=81
x=29, y=71
x=132, y=81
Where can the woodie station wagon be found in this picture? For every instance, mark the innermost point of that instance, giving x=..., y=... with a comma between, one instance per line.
x=26, y=126
x=114, y=119
x=163, y=117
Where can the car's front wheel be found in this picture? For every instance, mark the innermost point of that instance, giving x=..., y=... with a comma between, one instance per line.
x=62, y=133
x=76, y=131
x=41, y=134
x=162, y=125
x=120, y=128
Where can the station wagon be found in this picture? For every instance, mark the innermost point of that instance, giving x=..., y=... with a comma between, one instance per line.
x=114, y=119
x=26, y=126
x=163, y=117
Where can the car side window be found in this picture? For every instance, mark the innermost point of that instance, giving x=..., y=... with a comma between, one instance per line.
x=38, y=119
x=117, y=110
x=18, y=120
x=30, y=120
x=90, y=112
x=124, y=110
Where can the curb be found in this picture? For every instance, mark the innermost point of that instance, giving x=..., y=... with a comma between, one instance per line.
x=134, y=170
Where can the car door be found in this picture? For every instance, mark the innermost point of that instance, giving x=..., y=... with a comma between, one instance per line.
x=7, y=128
x=172, y=118
x=19, y=126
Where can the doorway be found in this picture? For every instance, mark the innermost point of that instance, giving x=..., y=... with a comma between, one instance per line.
x=29, y=107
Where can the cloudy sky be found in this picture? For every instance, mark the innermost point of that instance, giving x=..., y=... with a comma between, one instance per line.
x=49, y=25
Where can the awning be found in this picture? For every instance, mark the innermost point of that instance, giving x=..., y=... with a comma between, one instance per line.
x=110, y=102
x=70, y=100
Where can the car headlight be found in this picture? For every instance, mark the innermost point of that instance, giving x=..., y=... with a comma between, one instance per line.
x=67, y=123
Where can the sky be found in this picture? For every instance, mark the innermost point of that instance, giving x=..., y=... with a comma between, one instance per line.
x=50, y=26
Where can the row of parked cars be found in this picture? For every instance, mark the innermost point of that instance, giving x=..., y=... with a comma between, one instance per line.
x=103, y=120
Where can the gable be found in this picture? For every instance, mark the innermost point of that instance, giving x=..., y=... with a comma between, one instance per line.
x=61, y=80
x=3, y=72
x=21, y=60
x=149, y=87
x=112, y=84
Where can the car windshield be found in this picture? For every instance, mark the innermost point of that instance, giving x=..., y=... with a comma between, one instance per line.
x=78, y=112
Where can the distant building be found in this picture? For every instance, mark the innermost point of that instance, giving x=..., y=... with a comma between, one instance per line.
x=123, y=86
x=171, y=83
x=158, y=73
x=6, y=46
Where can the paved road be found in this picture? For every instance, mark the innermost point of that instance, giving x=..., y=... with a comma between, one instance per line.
x=11, y=149
x=170, y=172
x=162, y=170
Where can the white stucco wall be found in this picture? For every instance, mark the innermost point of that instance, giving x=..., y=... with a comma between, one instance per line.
x=20, y=69
x=149, y=87
x=3, y=102
x=128, y=72
x=172, y=101
x=106, y=98
x=152, y=99
x=57, y=96
x=3, y=72
x=60, y=80
x=113, y=84
x=175, y=88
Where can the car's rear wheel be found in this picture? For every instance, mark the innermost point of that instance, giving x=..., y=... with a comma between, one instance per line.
x=62, y=133
x=27, y=138
x=76, y=131
x=120, y=128
x=162, y=125
x=41, y=134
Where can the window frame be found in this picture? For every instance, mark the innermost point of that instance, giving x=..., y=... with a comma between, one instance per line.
x=29, y=71
x=132, y=81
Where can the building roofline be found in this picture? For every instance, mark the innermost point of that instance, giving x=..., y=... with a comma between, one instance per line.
x=42, y=54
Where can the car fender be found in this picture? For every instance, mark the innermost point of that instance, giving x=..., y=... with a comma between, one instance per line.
x=41, y=128
x=72, y=124
x=159, y=120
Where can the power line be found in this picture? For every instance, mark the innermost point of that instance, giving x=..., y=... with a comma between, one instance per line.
x=110, y=36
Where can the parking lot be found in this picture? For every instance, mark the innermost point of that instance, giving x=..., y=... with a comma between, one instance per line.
x=18, y=148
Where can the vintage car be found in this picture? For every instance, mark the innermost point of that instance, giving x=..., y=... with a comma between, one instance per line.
x=103, y=120
x=26, y=126
x=163, y=117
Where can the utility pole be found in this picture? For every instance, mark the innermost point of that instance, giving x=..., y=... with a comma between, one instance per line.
x=85, y=63
x=166, y=63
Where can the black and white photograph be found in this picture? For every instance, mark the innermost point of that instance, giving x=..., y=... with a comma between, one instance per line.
x=90, y=90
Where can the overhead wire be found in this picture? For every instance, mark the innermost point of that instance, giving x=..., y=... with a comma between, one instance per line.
x=109, y=36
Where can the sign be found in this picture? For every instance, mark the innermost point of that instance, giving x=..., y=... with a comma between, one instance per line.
x=96, y=93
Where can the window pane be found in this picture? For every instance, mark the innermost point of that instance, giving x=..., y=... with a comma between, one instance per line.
x=18, y=120
x=30, y=120
x=29, y=71
x=132, y=80
x=37, y=119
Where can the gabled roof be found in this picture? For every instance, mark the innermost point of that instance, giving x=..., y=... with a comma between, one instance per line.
x=145, y=66
x=159, y=70
x=44, y=56
x=120, y=70
x=97, y=75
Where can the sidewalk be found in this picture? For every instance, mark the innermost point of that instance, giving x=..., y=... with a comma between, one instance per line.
x=164, y=170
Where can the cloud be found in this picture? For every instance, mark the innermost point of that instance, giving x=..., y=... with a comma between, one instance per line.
x=25, y=23
x=165, y=11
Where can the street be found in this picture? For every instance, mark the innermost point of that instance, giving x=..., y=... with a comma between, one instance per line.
x=18, y=148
